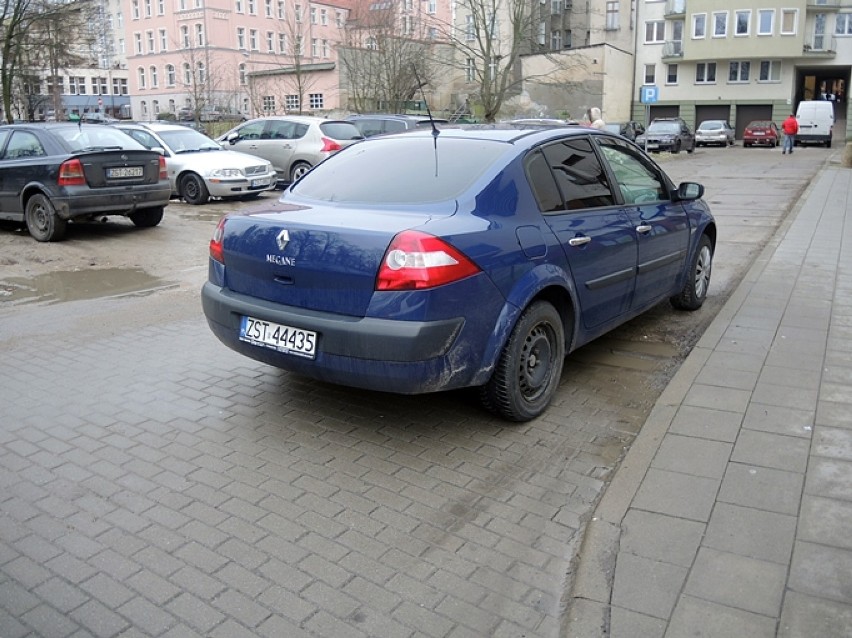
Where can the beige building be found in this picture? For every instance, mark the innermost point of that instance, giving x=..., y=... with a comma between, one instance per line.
x=742, y=61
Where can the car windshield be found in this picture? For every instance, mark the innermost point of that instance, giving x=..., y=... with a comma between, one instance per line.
x=664, y=127
x=403, y=170
x=188, y=141
x=95, y=137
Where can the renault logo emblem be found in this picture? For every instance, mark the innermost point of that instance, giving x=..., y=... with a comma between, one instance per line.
x=283, y=239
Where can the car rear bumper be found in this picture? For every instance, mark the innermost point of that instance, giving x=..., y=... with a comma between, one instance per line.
x=769, y=141
x=406, y=357
x=110, y=201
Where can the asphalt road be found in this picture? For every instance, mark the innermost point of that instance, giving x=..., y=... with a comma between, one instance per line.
x=156, y=483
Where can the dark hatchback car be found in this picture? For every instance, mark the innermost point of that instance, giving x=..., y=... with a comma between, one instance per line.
x=382, y=124
x=667, y=134
x=414, y=263
x=53, y=173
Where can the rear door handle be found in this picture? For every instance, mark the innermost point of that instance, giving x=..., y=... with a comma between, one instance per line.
x=644, y=229
x=579, y=241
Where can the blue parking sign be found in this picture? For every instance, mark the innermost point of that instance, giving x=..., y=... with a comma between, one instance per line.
x=649, y=94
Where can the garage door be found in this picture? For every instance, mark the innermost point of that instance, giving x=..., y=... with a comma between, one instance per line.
x=712, y=112
x=664, y=111
x=746, y=114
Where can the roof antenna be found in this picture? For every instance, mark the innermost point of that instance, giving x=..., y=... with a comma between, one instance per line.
x=435, y=131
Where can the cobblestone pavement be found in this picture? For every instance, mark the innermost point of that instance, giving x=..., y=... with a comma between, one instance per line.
x=153, y=483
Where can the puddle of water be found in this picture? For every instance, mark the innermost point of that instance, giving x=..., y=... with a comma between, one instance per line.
x=77, y=285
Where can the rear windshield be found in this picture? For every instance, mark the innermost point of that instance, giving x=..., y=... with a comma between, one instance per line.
x=710, y=126
x=664, y=127
x=404, y=170
x=341, y=130
x=759, y=125
x=96, y=136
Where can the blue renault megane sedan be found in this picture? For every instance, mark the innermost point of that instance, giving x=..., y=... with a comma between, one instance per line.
x=432, y=260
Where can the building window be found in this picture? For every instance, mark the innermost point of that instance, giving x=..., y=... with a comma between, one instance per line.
x=705, y=73
x=149, y=36
x=566, y=39
x=720, y=24
x=738, y=71
x=470, y=70
x=325, y=48
x=134, y=10
x=147, y=8
x=299, y=46
x=789, y=19
x=282, y=10
x=155, y=80
x=269, y=104
x=671, y=74
x=268, y=8
x=323, y=17
x=542, y=32
x=253, y=39
x=241, y=70
x=699, y=25
x=432, y=7
x=141, y=73
x=770, y=71
x=743, y=22
x=119, y=86
x=199, y=35
x=313, y=14
x=270, y=42
x=650, y=74
x=612, y=15
x=765, y=21
x=144, y=106
x=469, y=29
x=77, y=86
x=170, y=75
x=161, y=7
x=241, y=38
x=314, y=48
x=137, y=42
x=187, y=74
x=655, y=31
x=100, y=86
x=164, y=40
x=238, y=6
x=202, y=73
x=184, y=37
x=340, y=18
x=156, y=104
x=252, y=7
x=407, y=25
x=556, y=40
x=291, y=102
x=297, y=12
x=282, y=43
x=315, y=101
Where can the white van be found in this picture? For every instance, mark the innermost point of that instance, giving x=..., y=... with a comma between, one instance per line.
x=816, y=118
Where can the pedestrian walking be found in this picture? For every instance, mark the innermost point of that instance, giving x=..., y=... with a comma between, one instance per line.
x=790, y=128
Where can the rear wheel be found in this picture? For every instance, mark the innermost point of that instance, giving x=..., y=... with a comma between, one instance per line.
x=147, y=218
x=42, y=221
x=694, y=291
x=193, y=190
x=298, y=169
x=530, y=366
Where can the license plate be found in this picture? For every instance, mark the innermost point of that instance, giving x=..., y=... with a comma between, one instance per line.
x=125, y=171
x=653, y=146
x=759, y=133
x=257, y=183
x=287, y=339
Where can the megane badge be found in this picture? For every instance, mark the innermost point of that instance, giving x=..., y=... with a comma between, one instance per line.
x=283, y=239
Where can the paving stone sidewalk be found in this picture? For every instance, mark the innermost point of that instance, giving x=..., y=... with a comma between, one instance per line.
x=731, y=515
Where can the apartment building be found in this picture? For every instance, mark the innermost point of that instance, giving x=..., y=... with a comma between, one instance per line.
x=716, y=59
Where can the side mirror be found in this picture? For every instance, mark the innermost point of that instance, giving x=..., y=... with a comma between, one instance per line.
x=232, y=137
x=688, y=191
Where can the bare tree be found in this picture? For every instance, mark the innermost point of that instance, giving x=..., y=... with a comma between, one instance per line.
x=378, y=58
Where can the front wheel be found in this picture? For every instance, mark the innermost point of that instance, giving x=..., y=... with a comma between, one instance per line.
x=694, y=291
x=42, y=221
x=676, y=147
x=530, y=366
x=193, y=190
x=147, y=218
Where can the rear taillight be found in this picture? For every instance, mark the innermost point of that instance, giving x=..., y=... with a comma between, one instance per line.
x=71, y=173
x=329, y=145
x=416, y=261
x=163, y=172
x=217, y=250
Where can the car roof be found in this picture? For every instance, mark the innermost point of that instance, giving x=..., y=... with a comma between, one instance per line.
x=393, y=116
x=304, y=119
x=502, y=132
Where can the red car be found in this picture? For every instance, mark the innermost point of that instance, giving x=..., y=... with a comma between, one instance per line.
x=761, y=132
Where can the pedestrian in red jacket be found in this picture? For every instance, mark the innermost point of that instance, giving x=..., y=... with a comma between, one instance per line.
x=790, y=128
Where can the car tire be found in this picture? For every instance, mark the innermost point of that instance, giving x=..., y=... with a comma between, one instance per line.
x=297, y=170
x=42, y=221
x=691, y=149
x=530, y=366
x=694, y=291
x=676, y=148
x=147, y=218
x=193, y=190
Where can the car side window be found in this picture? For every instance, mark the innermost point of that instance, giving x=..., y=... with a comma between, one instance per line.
x=543, y=185
x=279, y=130
x=3, y=136
x=299, y=131
x=392, y=126
x=638, y=181
x=251, y=131
x=579, y=175
x=369, y=128
x=144, y=138
x=23, y=144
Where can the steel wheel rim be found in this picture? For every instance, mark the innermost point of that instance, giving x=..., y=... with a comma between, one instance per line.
x=536, y=364
x=40, y=217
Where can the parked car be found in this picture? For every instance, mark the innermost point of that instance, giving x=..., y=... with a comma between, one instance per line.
x=667, y=134
x=414, y=263
x=716, y=132
x=626, y=129
x=53, y=173
x=762, y=133
x=199, y=168
x=294, y=143
x=382, y=123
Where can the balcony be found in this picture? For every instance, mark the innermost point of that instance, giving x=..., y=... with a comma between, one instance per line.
x=820, y=46
x=677, y=8
x=672, y=49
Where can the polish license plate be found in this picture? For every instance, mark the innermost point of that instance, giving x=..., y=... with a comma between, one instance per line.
x=124, y=171
x=257, y=183
x=287, y=339
x=652, y=146
x=758, y=133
